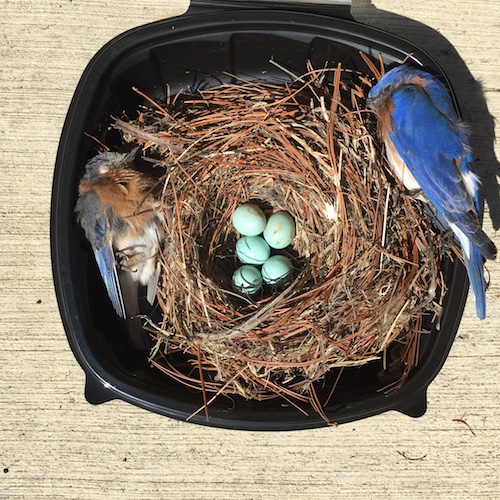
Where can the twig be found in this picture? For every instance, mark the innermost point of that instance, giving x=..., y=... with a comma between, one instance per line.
x=404, y=455
x=462, y=421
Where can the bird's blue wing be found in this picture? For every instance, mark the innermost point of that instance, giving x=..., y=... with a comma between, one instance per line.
x=430, y=144
x=435, y=150
x=440, y=98
x=98, y=232
x=104, y=256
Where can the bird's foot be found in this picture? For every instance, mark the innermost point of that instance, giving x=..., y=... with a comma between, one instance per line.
x=129, y=259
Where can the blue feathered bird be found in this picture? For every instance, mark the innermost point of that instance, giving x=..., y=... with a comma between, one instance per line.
x=427, y=146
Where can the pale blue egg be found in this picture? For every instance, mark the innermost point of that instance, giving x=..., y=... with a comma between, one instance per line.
x=247, y=280
x=252, y=250
x=280, y=230
x=277, y=270
x=249, y=220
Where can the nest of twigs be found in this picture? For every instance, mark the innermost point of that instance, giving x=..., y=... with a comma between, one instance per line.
x=365, y=258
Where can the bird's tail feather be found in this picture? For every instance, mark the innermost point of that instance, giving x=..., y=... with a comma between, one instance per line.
x=130, y=291
x=474, y=266
x=466, y=228
x=480, y=240
x=152, y=283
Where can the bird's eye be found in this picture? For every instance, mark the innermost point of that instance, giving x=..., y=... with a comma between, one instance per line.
x=123, y=183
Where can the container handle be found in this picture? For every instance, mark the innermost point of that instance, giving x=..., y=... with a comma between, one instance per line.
x=332, y=8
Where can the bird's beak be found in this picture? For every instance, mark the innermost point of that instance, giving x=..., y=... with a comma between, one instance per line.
x=371, y=103
x=131, y=155
x=376, y=100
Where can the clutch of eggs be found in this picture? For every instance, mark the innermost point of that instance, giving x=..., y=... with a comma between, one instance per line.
x=254, y=250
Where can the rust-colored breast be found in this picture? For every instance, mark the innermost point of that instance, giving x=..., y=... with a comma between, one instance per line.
x=125, y=191
x=385, y=111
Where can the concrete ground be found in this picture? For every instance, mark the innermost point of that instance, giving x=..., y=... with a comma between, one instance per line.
x=53, y=444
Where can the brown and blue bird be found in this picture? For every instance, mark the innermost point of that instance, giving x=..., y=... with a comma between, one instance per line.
x=428, y=148
x=123, y=222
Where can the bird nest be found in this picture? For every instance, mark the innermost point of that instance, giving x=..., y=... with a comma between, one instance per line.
x=366, y=258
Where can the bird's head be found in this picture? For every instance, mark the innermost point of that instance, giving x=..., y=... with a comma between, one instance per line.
x=107, y=162
x=395, y=79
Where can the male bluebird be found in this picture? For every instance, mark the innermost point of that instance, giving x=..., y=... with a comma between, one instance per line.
x=121, y=220
x=428, y=148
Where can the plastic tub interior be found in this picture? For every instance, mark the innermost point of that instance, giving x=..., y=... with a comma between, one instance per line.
x=196, y=50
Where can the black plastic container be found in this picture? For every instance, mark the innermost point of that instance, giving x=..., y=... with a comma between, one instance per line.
x=201, y=48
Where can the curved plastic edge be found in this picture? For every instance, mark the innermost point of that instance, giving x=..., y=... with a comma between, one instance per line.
x=340, y=9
